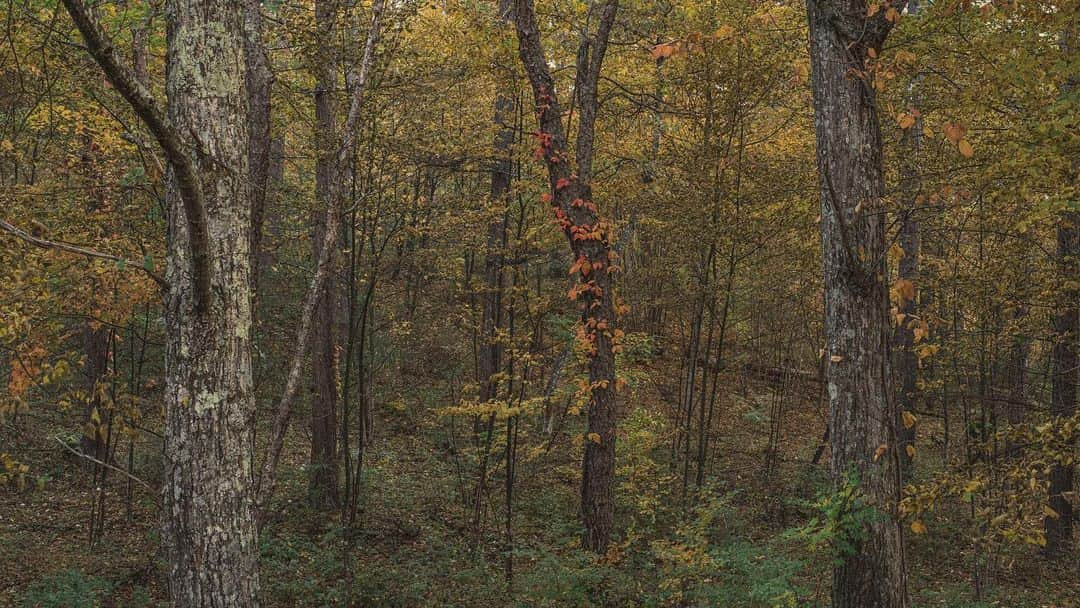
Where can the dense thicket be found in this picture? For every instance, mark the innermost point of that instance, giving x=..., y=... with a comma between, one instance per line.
x=539, y=302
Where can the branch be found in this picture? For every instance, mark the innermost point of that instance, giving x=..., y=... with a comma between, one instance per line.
x=108, y=466
x=587, y=92
x=358, y=79
x=549, y=112
x=267, y=481
x=147, y=109
x=90, y=253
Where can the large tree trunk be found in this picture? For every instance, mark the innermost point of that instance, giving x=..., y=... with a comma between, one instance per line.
x=322, y=490
x=857, y=324
x=209, y=525
x=207, y=508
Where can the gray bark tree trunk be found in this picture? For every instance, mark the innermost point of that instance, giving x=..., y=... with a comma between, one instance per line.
x=857, y=324
x=209, y=526
x=208, y=519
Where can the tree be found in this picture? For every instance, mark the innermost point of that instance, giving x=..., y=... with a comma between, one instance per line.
x=1065, y=371
x=260, y=81
x=578, y=216
x=209, y=532
x=907, y=304
x=323, y=480
x=843, y=41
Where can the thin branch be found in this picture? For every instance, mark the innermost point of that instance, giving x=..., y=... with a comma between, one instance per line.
x=90, y=253
x=111, y=467
x=146, y=107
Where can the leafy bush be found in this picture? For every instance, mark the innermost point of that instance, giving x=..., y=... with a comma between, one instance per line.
x=708, y=563
x=842, y=521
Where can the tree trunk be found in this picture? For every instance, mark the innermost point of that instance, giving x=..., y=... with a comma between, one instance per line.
x=259, y=82
x=96, y=350
x=578, y=216
x=490, y=351
x=908, y=270
x=857, y=325
x=209, y=528
x=1065, y=356
x=207, y=509
x=1065, y=378
x=322, y=490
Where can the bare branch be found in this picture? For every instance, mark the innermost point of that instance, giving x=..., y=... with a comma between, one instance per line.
x=90, y=253
x=110, y=467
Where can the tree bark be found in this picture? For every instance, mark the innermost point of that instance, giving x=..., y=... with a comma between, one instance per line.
x=491, y=315
x=908, y=270
x=1065, y=378
x=209, y=529
x=577, y=214
x=322, y=484
x=1065, y=356
x=857, y=324
x=96, y=351
x=259, y=80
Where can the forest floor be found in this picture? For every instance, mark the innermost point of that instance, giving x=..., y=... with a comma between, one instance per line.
x=416, y=544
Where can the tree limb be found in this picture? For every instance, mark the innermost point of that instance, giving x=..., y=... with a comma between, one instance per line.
x=90, y=253
x=109, y=466
x=147, y=109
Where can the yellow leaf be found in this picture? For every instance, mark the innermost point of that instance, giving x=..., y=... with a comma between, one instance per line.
x=918, y=527
x=905, y=290
x=906, y=120
x=910, y=449
x=1052, y=514
x=881, y=449
x=836, y=358
x=723, y=32
x=909, y=419
x=954, y=132
x=965, y=148
x=920, y=332
x=594, y=437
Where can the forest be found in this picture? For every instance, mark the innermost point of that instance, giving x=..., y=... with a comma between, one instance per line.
x=552, y=303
